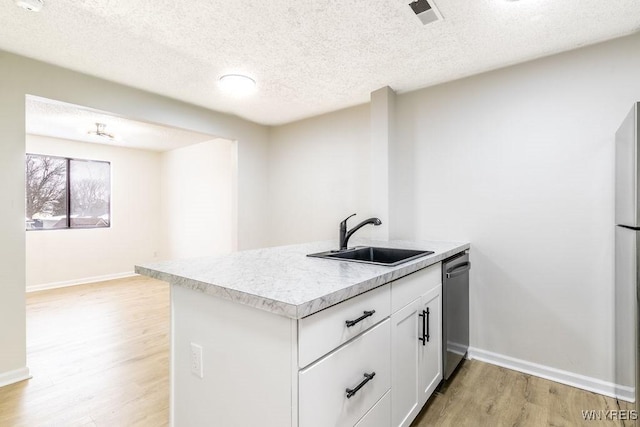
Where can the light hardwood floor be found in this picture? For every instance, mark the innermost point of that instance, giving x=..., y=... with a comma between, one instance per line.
x=480, y=394
x=99, y=355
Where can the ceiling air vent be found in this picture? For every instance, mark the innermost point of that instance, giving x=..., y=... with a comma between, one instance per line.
x=425, y=11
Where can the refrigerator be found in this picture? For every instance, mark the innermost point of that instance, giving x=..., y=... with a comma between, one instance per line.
x=627, y=250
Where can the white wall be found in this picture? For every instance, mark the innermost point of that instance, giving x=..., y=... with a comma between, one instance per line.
x=518, y=161
x=318, y=175
x=12, y=239
x=20, y=76
x=197, y=199
x=58, y=256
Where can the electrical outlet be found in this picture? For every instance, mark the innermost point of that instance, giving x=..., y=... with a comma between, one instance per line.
x=196, y=360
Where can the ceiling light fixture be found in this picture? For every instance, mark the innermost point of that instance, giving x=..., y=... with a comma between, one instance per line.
x=237, y=84
x=100, y=132
x=30, y=5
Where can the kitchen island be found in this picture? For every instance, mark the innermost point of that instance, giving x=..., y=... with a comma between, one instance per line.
x=261, y=337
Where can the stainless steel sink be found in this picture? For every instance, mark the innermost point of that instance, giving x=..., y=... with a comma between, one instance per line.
x=373, y=255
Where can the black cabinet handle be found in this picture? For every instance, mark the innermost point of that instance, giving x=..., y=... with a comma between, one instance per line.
x=366, y=314
x=367, y=378
x=427, y=332
x=425, y=328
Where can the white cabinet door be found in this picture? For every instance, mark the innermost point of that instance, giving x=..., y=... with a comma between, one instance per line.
x=405, y=371
x=430, y=348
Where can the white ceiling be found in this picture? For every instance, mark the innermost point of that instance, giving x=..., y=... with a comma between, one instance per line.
x=308, y=57
x=67, y=121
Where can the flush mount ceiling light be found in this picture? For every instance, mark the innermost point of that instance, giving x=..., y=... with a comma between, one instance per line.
x=30, y=5
x=100, y=132
x=237, y=84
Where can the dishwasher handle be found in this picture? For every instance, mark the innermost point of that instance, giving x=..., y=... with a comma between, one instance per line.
x=458, y=269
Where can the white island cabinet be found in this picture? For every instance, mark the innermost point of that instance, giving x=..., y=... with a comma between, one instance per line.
x=276, y=339
x=416, y=342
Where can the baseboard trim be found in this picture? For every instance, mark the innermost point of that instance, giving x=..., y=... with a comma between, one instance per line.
x=76, y=282
x=14, y=376
x=564, y=377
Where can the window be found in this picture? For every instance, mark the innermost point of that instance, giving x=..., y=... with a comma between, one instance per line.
x=67, y=193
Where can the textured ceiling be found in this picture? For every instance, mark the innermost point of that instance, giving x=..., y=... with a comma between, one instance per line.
x=67, y=121
x=308, y=57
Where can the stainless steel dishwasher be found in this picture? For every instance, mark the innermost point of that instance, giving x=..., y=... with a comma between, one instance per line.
x=455, y=316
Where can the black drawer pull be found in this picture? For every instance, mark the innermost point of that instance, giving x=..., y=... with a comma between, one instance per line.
x=427, y=332
x=425, y=328
x=366, y=314
x=367, y=378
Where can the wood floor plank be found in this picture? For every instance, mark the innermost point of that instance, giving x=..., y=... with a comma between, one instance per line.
x=480, y=394
x=99, y=355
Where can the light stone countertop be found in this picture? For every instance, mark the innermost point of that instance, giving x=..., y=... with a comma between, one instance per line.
x=284, y=281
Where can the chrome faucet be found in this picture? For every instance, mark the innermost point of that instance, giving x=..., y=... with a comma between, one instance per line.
x=345, y=235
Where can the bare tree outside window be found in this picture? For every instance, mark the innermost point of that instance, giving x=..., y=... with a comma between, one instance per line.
x=46, y=192
x=90, y=193
x=67, y=193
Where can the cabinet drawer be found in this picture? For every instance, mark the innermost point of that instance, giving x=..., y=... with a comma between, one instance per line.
x=379, y=415
x=320, y=333
x=322, y=398
x=408, y=288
